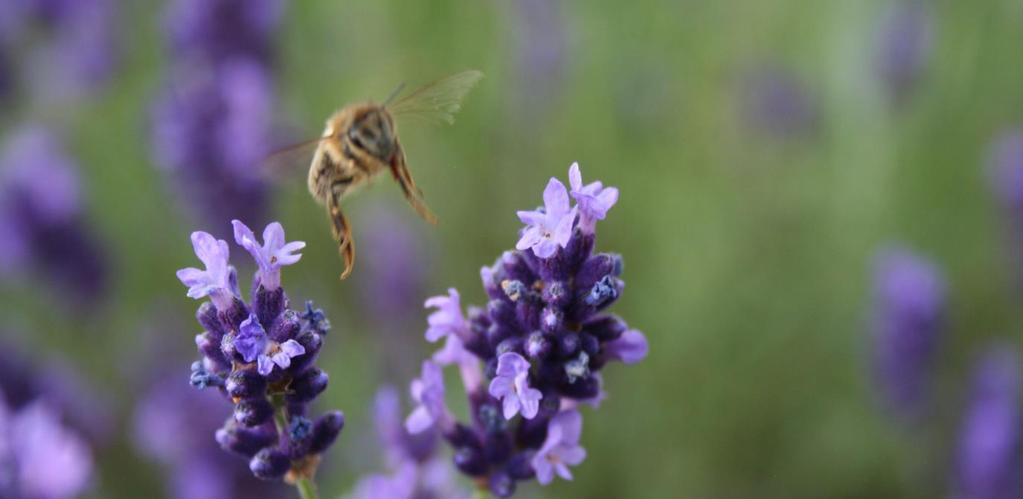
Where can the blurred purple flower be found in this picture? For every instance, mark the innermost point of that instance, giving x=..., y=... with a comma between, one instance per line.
x=1006, y=171
x=561, y=448
x=44, y=459
x=548, y=228
x=42, y=218
x=211, y=131
x=213, y=31
x=776, y=103
x=909, y=307
x=541, y=52
x=396, y=268
x=428, y=393
x=903, y=47
x=989, y=446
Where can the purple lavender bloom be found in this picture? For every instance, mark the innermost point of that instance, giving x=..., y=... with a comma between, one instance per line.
x=594, y=199
x=211, y=127
x=415, y=469
x=511, y=385
x=428, y=393
x=551, y=227
x=630, y=348
x=76, y=52
x=777, y=104
x=253, y=345
x=42, y=219
x=272, y=255
x=561, y=447
x=989, y=447
x=541, y=52
x=215, y=281
x=909, y=305
x=44, y=459
x=241, y=345
x=904, y=45
x=212, y=31
x=543, y=339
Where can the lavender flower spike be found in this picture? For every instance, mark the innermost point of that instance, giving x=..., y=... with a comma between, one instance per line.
x=512, y=386
x=542, y=341
x=49, y=460
x=909, y=307
x=561, y=448
x=273, y=254
x=428, y=392
x=551, y=226
x=215, y=280
x=594, y=199
x=989, y=449
x=262, y=357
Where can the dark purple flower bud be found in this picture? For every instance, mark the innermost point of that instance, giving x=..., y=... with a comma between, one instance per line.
x=509, y=345
x=519, y=467
x=268, y=305
x=596, y=268
x=538, y=346
x=589, y=344
x=489, y=417
x=557, y=294
x=201, y=378
x=308, y=385
x=314, y=320
x=497, y=447
x=300, y=429
x=231, y=318
x=516, y=267
x=605, y=327
x=568, y=344
x=253, y=412
x=460, y=435
x=551, y=319
x=325, y=431
x=989, y=446
x=909, y=305
x=527, y=312
x=286, y=327
x=501, y=484
x=470, y=461
x=501, y=312
x=246, y=384
x=578, y=367
x=208, y=319
x=531, y=432
x=497, y=333
x=581, y=388
x=270, y=464
x=244, y=441
x=209, y=347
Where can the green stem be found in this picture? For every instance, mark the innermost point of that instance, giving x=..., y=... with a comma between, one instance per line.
x=480, y=494
x=306, y=489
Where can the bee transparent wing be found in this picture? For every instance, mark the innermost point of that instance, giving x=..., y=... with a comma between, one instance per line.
x=289, y=160
x=437, y=101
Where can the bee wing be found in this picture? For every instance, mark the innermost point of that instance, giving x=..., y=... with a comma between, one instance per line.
x=437, y=101
x=287, y=160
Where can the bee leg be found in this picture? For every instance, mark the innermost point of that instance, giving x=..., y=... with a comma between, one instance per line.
x=342, y=234
x=408, y=186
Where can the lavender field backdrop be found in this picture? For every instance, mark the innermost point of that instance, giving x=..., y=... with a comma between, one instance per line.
x=819, y=218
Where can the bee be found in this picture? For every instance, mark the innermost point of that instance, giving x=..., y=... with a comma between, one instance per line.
x=360, y=141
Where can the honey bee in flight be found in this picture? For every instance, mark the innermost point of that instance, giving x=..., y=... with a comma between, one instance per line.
x=360, y=141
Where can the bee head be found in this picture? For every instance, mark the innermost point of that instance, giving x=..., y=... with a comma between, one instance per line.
x=373, y=132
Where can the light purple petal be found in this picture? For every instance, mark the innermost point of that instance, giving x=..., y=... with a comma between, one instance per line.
x=264, y=365
x=419, y=420
x=292, y=348
x=501, y=386
x=545, y=248
x=534, y=218
x=281, y=359
x=273, y=236
x=555, y=199
x=575, y=177
x=530, y=401
x=511, y=406
x=563, y=470
x=630, y=348
x=531, y=237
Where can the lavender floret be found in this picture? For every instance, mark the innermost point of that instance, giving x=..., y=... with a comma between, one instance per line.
x=264, y=363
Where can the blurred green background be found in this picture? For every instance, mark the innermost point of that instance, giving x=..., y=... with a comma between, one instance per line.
x=747, y=254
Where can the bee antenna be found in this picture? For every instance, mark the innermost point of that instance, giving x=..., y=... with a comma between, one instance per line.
x=394, y=93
